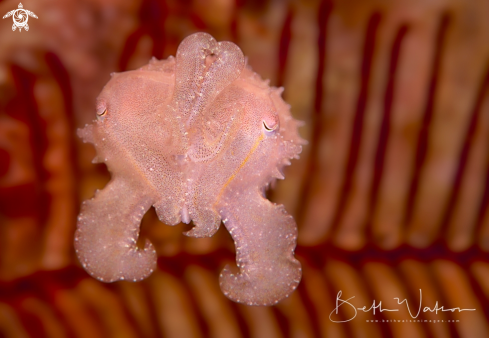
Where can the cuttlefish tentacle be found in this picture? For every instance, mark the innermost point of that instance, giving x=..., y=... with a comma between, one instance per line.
x=204, y=68
x=108, y=230
x=207, y=67
x=265, y=237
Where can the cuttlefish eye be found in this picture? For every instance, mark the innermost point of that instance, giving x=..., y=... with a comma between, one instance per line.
x=271, y=124
x=101, y=112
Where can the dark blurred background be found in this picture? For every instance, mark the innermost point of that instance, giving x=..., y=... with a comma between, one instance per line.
x=390, y=195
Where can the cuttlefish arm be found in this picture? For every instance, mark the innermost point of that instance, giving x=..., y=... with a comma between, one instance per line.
x=265, y=237
x=108, y=230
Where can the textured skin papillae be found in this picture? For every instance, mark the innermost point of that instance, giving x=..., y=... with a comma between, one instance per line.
x=199, y=137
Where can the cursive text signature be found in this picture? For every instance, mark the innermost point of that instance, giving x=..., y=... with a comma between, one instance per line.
x=378, y=306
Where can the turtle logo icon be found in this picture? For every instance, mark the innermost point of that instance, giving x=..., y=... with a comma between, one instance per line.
x=20, y=16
